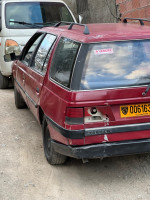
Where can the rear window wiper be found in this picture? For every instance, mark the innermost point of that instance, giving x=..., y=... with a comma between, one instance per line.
x=25, y=23
x=146, y=91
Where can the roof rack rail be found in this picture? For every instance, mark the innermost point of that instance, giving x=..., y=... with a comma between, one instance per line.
x=62, y=22
x=139, y=19
x=86, y=29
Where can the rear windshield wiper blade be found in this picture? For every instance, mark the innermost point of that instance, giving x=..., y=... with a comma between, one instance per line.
x=25, y=23
x=146, y=91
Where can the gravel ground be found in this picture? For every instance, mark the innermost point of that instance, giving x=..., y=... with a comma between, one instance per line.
x=26, y=175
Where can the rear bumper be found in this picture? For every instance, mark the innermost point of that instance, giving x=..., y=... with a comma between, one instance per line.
x=80, y=134
x=104, y=150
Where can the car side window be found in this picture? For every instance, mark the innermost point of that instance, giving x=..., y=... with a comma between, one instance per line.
x=28, y=54
x=40, y=61
x=63, y=61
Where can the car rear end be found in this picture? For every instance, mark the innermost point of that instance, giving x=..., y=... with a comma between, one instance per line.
x=109, y=110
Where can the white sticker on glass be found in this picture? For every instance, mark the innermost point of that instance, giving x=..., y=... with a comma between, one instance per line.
x=103, y=51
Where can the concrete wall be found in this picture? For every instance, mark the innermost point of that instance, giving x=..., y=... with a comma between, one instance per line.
x=98, y=11
x=134, y=8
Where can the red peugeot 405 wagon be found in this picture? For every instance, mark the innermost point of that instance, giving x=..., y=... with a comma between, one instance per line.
x=88, y=86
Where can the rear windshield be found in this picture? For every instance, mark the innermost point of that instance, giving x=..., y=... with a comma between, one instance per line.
x=116, y=64
x=43, y=13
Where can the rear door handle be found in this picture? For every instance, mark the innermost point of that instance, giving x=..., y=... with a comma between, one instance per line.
x=37, y=90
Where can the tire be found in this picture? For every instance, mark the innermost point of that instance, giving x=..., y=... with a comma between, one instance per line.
x=19, y=102
x=51, y=155
x=4, y=81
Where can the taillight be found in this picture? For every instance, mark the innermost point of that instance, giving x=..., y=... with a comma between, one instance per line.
x=74, y=116
x=93, y=114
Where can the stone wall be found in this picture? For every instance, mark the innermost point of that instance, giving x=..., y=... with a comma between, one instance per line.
x=98, y=11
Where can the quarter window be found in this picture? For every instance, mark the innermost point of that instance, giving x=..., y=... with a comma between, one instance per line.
x=63, y=61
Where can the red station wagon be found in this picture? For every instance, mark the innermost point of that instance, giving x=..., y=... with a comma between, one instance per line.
x=88, y=86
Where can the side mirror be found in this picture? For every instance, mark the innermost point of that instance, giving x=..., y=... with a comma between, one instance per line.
x=80, y=19
x=11, y=57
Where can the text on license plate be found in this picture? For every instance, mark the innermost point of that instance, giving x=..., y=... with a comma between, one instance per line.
x=135, y=110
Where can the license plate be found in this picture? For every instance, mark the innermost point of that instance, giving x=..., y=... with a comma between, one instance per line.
x=135, y=110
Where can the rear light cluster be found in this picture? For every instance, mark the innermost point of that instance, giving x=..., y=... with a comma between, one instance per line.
x=93, y=114
x=75, y=116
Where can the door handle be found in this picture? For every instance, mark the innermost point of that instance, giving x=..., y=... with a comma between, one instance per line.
x=37, y=90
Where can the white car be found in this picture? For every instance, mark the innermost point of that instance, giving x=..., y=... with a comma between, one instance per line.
x=19, y=20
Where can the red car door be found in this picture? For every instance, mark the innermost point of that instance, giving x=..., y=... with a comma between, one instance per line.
x=36, y=72
x=19, y=76
x=23, y=65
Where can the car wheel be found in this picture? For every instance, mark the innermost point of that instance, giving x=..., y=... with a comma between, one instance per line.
x=51, y=155
x=19, y=102
x=4, y=81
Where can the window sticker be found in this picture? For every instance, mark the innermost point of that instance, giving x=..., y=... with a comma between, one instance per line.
x=103, y=51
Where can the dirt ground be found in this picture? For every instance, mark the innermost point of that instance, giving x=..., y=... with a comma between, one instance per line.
x=26, y=175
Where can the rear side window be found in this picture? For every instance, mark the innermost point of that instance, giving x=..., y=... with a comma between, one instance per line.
x=63, y=61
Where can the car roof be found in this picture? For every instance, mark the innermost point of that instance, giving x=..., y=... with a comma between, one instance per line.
x=102, y=32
